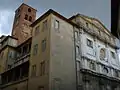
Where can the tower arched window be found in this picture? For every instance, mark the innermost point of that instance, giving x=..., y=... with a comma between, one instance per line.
x=30, y=18
x=26, y=17
x=29, y=10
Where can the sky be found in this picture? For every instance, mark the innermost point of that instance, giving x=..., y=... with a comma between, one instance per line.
x=99, y=9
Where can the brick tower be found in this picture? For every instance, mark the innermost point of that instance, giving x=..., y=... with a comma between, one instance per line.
x=24, y=16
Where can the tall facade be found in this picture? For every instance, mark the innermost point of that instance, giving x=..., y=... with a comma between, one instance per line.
x=96, y=55
x=78, y=53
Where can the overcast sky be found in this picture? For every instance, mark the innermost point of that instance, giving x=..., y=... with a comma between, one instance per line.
x=96, y=8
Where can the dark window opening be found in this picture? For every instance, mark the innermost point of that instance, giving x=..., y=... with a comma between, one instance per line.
x=89, y=43
x=26, y=17
x=42, y=68
x=30, y=18
x=43, y=45
x=29, y=10
x=33, y=71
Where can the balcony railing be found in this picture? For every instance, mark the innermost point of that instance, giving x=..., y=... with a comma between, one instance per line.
x=21, y=59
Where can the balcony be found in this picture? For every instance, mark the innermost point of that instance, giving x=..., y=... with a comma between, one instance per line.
x=21, y=59
x=15, y=74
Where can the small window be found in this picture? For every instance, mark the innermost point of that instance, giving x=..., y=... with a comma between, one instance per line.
x=102, y=54
x=87, y=25
x=37, y=30
x=33, y=70
x=56, y=24
x=77, y=50
x=26, y=17
x=113, y=55
x=89, y=43
x=35, y=49
x=105, y=70
x=116, y=73
x=42, y=68
x=29, y=10
x=43, y=45
x=78, y=65
x=92, y=65
x=76, y=34
x=30, y=18
x=45, y=25
x=2, y=54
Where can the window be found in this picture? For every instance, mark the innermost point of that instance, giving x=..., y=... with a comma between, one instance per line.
x=33, y=70
x=105, y=70
x=43, y=45
x=76, y=34
x=40, y=88
x=56, y=24
x=37, y=30
x=77, y=50
x=35, y=48
x=78, y=65
x=102, y=53
x=9, y=66
x=30, y=18
x=42, y=68
x=45, y=25
x=89, y=43
x=10, y=55
x=26, y=17
x=113, y=55
x=29, y=10
x=87, y=25
x=92, y=65
x=2, y=54
x=116, y=74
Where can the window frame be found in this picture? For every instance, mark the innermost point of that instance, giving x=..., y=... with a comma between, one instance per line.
x=35, y=49
x=113, y=55
x=101, y=53
x=56, y=24
x=42, y=68
x=45, y=25
x=33, y=71
x=89, y=43
x=43, y=44
x=92, y=65
x=37, y=30
x=26, y=17
x=77, y=50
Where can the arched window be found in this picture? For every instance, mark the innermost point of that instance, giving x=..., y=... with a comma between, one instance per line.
x=105, y=70
x=26, y=17
x=30, y=18
x=29, y=10
x=102, y=54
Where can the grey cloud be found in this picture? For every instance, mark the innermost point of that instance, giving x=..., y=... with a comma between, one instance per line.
x=96, y=8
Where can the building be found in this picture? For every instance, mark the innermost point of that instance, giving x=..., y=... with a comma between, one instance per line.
x=96, y=55
x=115, y=16
x=56, y=53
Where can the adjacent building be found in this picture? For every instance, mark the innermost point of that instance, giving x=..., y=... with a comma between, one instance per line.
x=115, y=18
x=57, y=53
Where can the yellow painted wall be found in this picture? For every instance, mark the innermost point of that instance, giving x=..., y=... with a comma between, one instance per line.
x=35, y=82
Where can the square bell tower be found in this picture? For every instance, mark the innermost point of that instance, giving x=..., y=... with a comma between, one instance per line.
x=24, y=17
